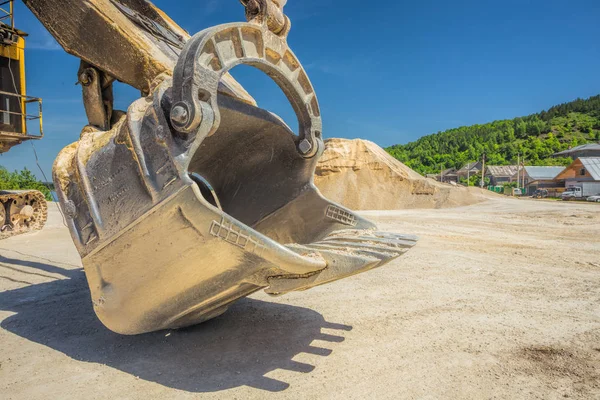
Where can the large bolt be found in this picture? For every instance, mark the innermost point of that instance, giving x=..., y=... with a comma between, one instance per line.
x=305, y=146
x=70, y=209
x=179, y=115
x=85, y=78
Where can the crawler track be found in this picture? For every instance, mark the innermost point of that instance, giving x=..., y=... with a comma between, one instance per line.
x=21, y=211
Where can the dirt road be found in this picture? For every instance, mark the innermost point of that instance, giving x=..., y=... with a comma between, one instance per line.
x=498, y=300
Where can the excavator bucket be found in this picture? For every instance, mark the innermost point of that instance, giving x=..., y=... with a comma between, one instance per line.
x=195, y=198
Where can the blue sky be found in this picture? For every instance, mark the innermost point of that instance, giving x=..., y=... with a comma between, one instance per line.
x=386, y=70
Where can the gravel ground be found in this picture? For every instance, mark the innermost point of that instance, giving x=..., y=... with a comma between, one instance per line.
x=498, y=300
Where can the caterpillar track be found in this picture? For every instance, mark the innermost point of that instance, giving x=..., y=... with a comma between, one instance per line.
x=21, y=211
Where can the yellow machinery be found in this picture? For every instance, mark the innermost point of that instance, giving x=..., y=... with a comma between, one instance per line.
x=20, y=211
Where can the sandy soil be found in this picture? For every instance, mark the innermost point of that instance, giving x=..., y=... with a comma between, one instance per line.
x=351, y=169
x=498, y=300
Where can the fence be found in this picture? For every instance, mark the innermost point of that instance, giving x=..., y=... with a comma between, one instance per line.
x=24, y=116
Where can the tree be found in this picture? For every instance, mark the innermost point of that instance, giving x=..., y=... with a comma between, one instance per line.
x=520, y=128
x=22, y=180
x=486, y=181
x=585, y=126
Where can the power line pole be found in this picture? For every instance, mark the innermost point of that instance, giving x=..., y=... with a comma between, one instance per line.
x=468, y=174
x=523, y=161
x=518, y=170
x=483, y=172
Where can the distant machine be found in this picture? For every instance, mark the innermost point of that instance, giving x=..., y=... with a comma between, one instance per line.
x=21, y=211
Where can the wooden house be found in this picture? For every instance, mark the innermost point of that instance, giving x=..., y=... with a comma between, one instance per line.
x=539, y=177
x=499, y=174
x=584, y=172
x=469, y=169
x=585, y=150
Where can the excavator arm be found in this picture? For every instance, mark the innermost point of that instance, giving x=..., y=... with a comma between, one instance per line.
x=196, y=197
x=131, y=40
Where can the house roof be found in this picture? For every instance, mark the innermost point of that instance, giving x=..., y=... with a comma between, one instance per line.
x=501, y=170
x=583, y=147
x=470, y=167
x=543, y=173
x=592, y=165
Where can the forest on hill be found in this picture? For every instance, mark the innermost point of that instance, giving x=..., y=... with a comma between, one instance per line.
x=535, y=137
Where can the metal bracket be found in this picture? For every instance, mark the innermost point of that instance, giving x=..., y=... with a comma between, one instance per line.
x=211, y=53
x=97, y=95
x=269, y=13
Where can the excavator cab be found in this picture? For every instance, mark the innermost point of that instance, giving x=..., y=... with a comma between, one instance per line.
x=16, y=108
x=20, y=211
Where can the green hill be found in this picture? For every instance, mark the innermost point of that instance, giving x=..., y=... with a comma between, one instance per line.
x=536, y=136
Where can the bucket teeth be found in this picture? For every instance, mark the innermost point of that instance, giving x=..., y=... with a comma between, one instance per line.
x=385, y=240
x=346, y=252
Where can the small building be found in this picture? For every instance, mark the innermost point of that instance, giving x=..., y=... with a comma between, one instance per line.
x=499, y=174
x=449, y=175
x=540, y=177
x=469, y=169
x=585, y=150
x=584, y=172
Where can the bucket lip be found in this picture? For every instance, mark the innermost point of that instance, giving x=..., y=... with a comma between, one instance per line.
x=271, y=251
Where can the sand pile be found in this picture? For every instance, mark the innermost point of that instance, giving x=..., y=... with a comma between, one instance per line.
x=362, y=176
